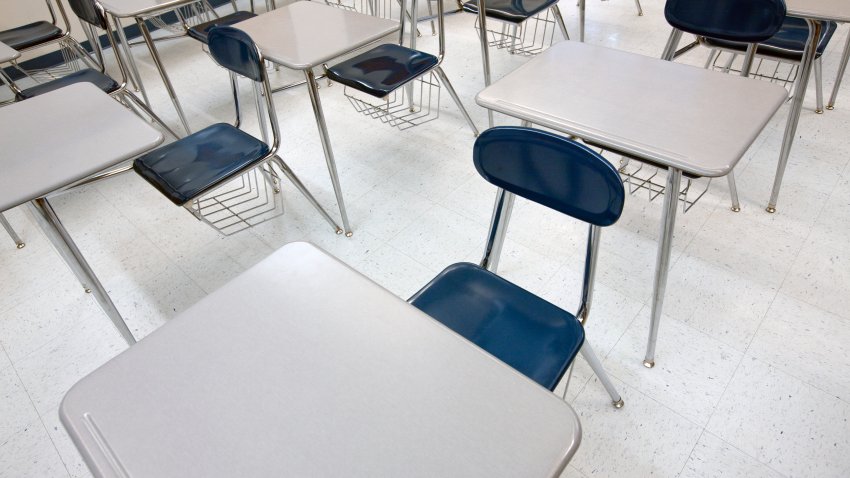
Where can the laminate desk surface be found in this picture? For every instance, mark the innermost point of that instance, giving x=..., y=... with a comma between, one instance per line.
x=135, y=8
x=306, y=34
x=8, y=53
x=301, y=366
x=835, y=10
x=61, y=137
x=696, y=120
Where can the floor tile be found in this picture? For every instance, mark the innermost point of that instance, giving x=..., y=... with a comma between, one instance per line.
x=16, y=409
x=30, y=454
x=714, y=458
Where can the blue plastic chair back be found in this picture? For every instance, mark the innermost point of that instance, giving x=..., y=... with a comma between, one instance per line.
x=747, y=21
x=235, y=50
x=551, y=170
x=89, y=12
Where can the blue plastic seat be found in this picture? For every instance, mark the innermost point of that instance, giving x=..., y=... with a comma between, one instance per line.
x=98, y=79
x=383, y=69
x=787, y=44
x=193, y=165
x=202, y=31
x=532, y=335
x=30, y=35
x=514, y=11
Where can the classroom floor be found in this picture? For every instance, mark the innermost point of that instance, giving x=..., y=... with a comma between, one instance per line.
x=752, y=363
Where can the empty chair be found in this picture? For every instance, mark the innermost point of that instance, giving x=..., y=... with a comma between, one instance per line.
x=193, y=166
x=386, y=68
x=528, y=333
x=743, y=21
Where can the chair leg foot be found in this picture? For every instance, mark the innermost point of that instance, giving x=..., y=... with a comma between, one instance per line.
x=735, y=208
x=21, y=245
x=649, y=363
x=770, y=209
x=619, y=403
x=349, y=233
x=820, y=112
x=830, y=108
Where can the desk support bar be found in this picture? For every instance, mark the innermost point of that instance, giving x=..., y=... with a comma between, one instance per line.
x=61, y=240
x=805, y=68
x=662, y=260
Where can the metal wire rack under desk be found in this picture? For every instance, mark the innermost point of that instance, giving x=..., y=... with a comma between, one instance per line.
x=639, y=176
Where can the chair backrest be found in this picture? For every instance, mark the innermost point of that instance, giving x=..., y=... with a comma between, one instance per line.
x=235, y=50
x=746, y=21
x=551, y=170
x=90, y=12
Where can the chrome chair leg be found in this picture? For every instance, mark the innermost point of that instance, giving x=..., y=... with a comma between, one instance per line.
x=710, y=59
x=312, y=89
x=445, y=80
x=596, y=365
x=287, y=171
x=61, y=240
x=14, y=235
x=818, y=86
x=639, y=8
x=135, y=77
x=733, y=191
x=485, y=55
x=556, y=12
x=496, y=237
x=843, y=66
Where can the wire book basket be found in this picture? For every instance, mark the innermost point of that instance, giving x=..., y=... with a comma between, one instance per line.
x=779, y=72
x=72, y=61
x=192, y=15
x=252, y=198
x=528, y=38
x=411, y=105
x=638, y=176
x=377, y=8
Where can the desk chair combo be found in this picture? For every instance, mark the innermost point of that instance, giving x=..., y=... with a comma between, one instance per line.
x=207, y=172
x=528, y=333
x=379, y=73
x=749, y=22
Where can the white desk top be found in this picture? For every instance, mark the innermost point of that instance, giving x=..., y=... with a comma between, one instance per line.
x=305, y=34
x=697, y=120
x=836, y=10
x=61, y=137
x=135, y=8
x=303, y=367
x=7, y=53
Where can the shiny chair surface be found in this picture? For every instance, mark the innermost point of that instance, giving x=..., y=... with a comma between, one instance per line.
x=532, y=335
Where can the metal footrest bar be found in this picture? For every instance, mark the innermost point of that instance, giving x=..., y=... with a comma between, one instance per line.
x=251, y=199
x=527, y=38
x=397, y=109
x=639, y=176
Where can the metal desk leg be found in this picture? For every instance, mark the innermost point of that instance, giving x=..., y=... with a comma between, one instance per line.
x=14, y=235
x=841, y=68
x=61, y=240
x=581, y=20
x=485, y=51
x=326, y=146
x=662, y=260
x=805, y=70
x=135, y=77
x=146, y=34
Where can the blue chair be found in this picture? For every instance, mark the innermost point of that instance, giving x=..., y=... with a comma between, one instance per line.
x=526, y=332
x=201, y=162
x=742, y=21
x=387, y=68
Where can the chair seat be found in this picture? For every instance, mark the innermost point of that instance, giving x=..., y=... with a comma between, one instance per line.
x=98, y=79
x=514, y=11
x=526, y=332
x=788, y=43
x=30, y=35
x=201, y=32
x=383, y=69
x=193, y=165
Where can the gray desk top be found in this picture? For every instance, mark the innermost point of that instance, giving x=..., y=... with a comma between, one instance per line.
x=303, y=367
x=836, y=10
x=671, y=114
x=305, y=34
x=7, y=53
x=135, y=8
x=61, y=137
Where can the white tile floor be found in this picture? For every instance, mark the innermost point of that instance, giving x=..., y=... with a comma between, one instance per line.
x=752, y=375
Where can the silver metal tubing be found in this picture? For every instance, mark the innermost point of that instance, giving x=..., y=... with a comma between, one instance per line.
x=818, y=86
x=261, y=112
x=485, y=51
x=556, y=12
x=498, y=228
x=662, y=260
x=711, y=53
x=747, y=66
x=146, y=34
x=414, y=26
x=445, y=80
x=287, y=171
x=94, y=41
x=596, y=365
x=14, y=235
x=806, y=62
x=147, y=111
x=591, y=258
x=61, y=240
x=234, y=84
x=733, y=191
x=581, y=20
x=681, y=51
x=843, y=66
x=312, y=88
x=639, y=8
x=135, y=77
x=672, y=43
x=294, y=84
